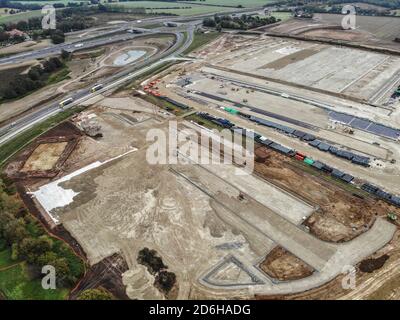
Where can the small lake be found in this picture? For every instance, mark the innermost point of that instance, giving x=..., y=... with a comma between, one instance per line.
x=129, y=57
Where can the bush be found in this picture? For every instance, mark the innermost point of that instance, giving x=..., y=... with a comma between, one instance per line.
x=95, y=294
x=165, y=280
x=150, y=259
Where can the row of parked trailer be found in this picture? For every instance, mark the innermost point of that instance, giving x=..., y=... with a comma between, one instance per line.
x=395, y=200
x=312, y=141
x=278, y=147
x=375, y=191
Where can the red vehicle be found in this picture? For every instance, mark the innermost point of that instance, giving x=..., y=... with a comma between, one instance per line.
x=299, y=157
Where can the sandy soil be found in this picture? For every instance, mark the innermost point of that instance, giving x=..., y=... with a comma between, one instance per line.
x=26, y=46
x=341, y=216
x=44, y=157
x=284, y=266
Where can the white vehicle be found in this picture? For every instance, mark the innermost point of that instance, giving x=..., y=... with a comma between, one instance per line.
x=96, y=87
x=78, y=45
x=65, y=102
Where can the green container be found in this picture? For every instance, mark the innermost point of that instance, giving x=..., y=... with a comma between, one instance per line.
x=309, y=161
x=231, y=110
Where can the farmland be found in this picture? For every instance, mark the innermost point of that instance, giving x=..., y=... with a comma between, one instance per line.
x=176, y=8
x=235, y=3
x=20, y=16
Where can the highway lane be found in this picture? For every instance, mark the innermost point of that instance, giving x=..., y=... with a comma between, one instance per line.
x=110, y=36
x=10, y=131
x=181, y=44
x=79, y=45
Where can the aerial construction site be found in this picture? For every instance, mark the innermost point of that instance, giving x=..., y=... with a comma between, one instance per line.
x=322, y=195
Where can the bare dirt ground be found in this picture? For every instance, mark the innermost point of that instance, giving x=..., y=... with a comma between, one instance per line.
x=383, y=28
x=341, y=215
x=107, y=274
x=381, y=284
x=284, y=266
x=26, y=46
x=127, y=204
x=44, y=157
x=371, y=31
x=196, y=216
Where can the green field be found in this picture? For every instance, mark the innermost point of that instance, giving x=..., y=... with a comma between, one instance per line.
x=201, y=39
x=5, y=258
x=7, y=18
x=178, y=8
x=282, y=15
x=20, y=16
x=16, y=284
x=49, y=1
x=244, y=3
x=17, y=281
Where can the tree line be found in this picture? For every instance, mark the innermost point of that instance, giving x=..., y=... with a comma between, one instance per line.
x=68, y=20
x=244, y=22
x=34, y=6
x=29, y=241
x=34, y=79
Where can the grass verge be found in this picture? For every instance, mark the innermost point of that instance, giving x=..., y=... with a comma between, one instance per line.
x=200, y=39
x=59, y=76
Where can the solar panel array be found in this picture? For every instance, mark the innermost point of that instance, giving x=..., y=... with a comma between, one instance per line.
x=366, y=125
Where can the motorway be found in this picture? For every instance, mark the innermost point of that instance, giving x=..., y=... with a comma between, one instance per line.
x=117, y=34
x=180, y=45
x=182, y=42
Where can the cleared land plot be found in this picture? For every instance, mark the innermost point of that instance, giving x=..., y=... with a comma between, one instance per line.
x=191, y=215
x=385, y=28
x=338, y=69
x=284, y=266
x=44, y=157
x=341, y=216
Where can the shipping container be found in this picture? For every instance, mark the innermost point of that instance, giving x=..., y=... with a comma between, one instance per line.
x=309, y=161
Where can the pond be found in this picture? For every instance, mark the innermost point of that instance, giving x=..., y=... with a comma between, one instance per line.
x=129, y=57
